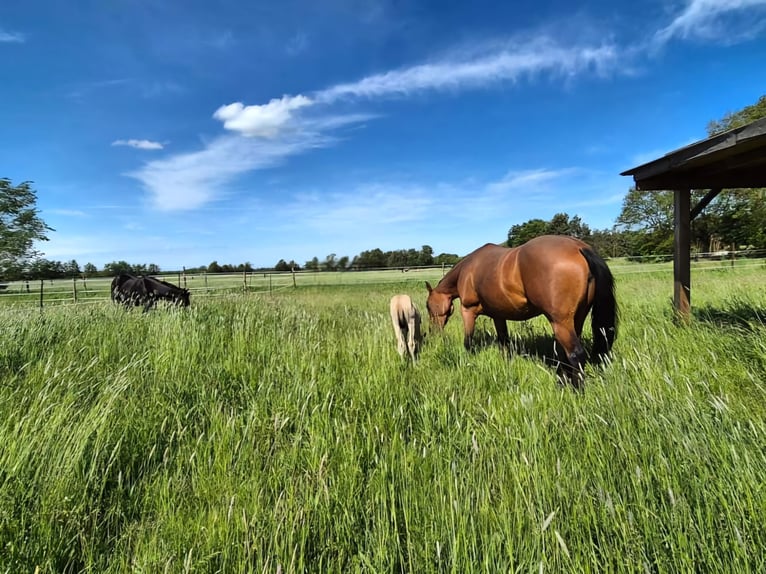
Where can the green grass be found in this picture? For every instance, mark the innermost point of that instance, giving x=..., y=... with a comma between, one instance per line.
x=281, y=432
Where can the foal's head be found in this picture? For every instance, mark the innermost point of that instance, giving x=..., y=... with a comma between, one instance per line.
x=439, y=307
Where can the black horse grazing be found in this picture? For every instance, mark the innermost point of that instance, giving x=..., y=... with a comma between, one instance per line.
x=130, y=290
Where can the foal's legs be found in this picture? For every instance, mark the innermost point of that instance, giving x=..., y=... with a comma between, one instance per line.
x=401, y=345
x=573, y=352
x=411, y=344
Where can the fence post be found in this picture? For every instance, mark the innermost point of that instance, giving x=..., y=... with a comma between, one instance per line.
x=732, y=254
x=244, y=281
x=205, y=275
x=293, y=269
x=74, y=288
x=42, y=283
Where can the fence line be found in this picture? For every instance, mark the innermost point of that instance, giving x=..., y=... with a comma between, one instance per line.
x=97, y=289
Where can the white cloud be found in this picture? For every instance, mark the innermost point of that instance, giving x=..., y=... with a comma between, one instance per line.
x=67, y=212
x=281, y=115
x=525, y=179
x=294, y=124
x=139, y=144
x=297, y=44
x=367, y=206
x=11, y=37
x=190, y=180
x=729, y=20
x=477, y=71
x=266, y=121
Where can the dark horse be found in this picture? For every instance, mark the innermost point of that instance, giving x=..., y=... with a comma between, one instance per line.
x=130, y=290
x=556, y=276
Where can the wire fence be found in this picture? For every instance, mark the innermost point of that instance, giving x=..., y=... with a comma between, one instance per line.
x=78, y=290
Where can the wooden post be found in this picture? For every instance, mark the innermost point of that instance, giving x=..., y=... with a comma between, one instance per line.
x=42, y=283
x=244, y=281
x=74, y=288
x=294, y=285
x=733, y=254
x=205, y=275
x=269, y=283
x=681, y=254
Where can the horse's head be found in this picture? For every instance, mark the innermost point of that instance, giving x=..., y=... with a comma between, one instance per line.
x=439, y=307
x=182, y=298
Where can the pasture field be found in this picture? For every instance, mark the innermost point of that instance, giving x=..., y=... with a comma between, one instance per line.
x=281, y=432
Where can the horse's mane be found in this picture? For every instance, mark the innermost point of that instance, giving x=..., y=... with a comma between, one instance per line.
x=448, y=283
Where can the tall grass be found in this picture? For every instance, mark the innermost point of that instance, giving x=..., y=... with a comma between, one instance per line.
x=282, y=432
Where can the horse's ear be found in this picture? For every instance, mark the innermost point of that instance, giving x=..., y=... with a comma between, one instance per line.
x=428, y=286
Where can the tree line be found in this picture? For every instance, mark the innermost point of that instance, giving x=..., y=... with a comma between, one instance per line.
x=644, y=228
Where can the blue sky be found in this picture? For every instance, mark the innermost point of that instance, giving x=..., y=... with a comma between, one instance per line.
x=179, y=133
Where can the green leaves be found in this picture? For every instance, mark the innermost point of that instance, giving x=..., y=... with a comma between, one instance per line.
x=20, y=225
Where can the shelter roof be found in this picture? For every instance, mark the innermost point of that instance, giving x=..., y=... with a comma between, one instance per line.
x=732, y=159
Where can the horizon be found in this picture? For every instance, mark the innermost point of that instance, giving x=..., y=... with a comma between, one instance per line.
x=252, y=133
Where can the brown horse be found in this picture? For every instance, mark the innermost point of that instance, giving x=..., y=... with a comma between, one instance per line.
x=556, y=276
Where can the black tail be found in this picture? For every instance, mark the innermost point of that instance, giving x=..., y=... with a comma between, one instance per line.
x=605, y=314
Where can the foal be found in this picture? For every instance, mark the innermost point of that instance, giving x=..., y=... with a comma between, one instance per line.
x=406, y=320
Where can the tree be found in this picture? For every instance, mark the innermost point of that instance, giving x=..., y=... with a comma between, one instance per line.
x=20, y=225
x=71, y=268
x=312, y=265
x=740, y=214
x=446, y=259
x=426, y=256
x=89, y=270
x=282, y=265
x=118, y=267
x=560, y=224
x=523, y=232
x=733, y=120
x=330, y=263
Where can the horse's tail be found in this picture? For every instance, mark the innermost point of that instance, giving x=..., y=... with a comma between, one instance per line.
x=605, y=313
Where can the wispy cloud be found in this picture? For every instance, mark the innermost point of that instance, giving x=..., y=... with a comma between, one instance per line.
x=12, y=37
x=263, y=135
x=297, y=44
x=727, y=20
x=473, y=71
x=83, y=89
x=139, y=144
x=361, y=209
x=67, y=212
x=542, y=55
x=222, y=40
x=526, y=179
x=190, y=180
x=145, y=88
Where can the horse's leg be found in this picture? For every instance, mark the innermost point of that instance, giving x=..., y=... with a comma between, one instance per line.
x=401, y=342
x=501, y=326
x=411, y=337
x=400, y=345
x=469, y=323
x=573, y=352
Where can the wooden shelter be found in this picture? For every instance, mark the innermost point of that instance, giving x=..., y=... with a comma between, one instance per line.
x=732, y=159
